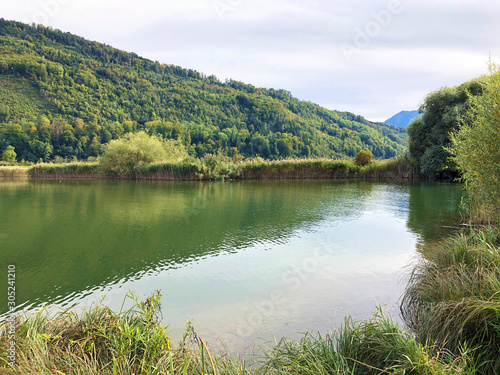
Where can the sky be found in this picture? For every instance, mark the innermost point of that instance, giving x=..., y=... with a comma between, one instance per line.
x=370, y=57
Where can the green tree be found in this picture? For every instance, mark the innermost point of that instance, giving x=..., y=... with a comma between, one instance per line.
x=363, y=158
x=9, y=155
x=429, y=135
x=122, y=156
x=475, y=147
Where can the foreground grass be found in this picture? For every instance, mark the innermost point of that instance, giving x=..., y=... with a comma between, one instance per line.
x=453, y=297
x=102, y=342
x=213, y=167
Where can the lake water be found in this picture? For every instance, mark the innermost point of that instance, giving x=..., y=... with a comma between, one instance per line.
x=243, y=261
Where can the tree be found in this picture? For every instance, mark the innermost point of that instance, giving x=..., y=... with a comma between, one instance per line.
x=9, y=155
x=429, y=135
x=122, y=156
x=363, y=158
x=475, y=147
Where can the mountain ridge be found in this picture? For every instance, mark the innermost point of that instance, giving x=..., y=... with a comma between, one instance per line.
x=403, y=118
x=71, y=96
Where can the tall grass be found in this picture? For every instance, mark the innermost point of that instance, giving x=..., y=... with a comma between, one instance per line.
x=100, y=341
x=453, y=296
x=13, y=171
x=65, y=170
x=326, y=169
x=213, y=167
x=375, y=346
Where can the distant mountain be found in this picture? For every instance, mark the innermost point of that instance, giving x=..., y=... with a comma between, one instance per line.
x=402, y=119
x=64, y=96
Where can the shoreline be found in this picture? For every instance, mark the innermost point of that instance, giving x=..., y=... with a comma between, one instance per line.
x=290, y=169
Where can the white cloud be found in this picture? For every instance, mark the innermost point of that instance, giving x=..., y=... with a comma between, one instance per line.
x=296, y=44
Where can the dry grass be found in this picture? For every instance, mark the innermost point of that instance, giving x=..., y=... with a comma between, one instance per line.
x=13, y=171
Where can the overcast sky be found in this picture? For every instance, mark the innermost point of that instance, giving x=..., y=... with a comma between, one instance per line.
x=371, y=57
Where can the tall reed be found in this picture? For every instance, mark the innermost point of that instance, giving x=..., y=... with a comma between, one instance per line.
x=65, y=170
x=216, y=167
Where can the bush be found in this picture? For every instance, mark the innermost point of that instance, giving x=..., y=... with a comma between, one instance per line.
x=363, y=158
x=125, y=155
x=475, y=146
x=9, y=155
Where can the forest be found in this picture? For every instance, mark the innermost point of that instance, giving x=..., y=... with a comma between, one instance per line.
x=63, y=98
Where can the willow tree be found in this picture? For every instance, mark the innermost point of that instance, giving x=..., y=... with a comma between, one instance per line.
x=122, y=157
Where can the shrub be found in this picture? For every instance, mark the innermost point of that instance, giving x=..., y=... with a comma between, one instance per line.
x=123, y=156
x=475, y=146
x=9, y=155
x=363, y=158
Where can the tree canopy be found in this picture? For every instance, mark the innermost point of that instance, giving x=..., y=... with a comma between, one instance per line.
x=475, y=147
x=429, y=135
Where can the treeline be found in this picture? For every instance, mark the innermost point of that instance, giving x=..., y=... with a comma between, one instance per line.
x=458, y=137
x=443, y=111
x=63, y=96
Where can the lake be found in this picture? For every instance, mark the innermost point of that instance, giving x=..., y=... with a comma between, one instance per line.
x=243, y=261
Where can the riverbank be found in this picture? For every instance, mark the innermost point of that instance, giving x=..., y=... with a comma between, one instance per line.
x=214, y=168
x=100, y=341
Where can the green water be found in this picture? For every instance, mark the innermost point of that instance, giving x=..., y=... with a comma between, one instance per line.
x=241, y=260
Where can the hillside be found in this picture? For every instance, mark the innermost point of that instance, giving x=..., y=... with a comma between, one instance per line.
x=402, y=119
x=62, y=95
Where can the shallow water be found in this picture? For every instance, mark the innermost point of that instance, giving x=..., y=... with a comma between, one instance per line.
x=243, y=261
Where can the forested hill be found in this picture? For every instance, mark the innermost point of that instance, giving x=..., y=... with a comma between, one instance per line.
x=62, y=95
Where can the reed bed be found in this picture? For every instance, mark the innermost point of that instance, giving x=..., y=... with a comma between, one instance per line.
x=77, y=170
x=13, y=171
x=453, y=296
x=218, y=167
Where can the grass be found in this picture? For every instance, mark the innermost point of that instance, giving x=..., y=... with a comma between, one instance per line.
x=64, y=170
x=99, y=341
x=216, y=167
x=102, y=342
x=13, y=171
x=453, y=296
x=375, y=346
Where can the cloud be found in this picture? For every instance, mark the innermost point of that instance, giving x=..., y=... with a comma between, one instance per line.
x=410, y=48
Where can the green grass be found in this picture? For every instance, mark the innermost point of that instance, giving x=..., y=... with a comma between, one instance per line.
x=64, y=170
x=374, y=346
x=453, y=296
x=99, y=341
